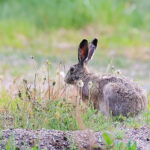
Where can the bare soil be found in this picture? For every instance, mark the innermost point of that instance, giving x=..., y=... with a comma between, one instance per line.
x=62, y=140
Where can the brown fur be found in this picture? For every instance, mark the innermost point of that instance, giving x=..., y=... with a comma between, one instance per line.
x=109, y=93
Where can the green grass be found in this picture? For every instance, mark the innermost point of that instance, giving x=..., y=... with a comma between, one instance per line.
x=22, y=22
x=110, y=143
x=28, y=104
x=56, y=14
x=53, y=29
x=61, y=115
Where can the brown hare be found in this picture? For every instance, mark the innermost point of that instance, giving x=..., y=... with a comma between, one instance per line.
x=111, y=94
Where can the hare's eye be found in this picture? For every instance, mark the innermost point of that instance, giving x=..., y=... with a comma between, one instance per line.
x=71, y=69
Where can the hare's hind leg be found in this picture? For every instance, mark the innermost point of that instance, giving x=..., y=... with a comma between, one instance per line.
x=116, y=101
x=104, y=108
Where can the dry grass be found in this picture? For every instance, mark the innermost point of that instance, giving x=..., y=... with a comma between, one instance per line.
x=40, y=89
x=41, y=100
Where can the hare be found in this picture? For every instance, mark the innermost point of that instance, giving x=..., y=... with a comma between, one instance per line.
x=111, y=94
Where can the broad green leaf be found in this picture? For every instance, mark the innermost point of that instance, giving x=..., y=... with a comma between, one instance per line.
x=108, y=139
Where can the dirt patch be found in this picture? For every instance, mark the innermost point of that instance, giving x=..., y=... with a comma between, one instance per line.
x=59, y=140
x=141, y=136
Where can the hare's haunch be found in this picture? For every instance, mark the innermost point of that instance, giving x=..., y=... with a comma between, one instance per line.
x=109, y=93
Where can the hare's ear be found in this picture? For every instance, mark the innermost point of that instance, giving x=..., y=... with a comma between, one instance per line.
x=92, y=48
x=83, y=51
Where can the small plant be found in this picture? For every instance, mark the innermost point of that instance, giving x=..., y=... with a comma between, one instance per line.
x=131, y=146
x=119, y=134
x=119, y=145
x=73, y=145
x=111, y=143
x=108, y=140
x=11, y=143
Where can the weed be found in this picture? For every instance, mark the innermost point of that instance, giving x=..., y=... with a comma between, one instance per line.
x=110, y=143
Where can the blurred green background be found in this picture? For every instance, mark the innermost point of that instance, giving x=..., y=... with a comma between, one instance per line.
x=52, y=29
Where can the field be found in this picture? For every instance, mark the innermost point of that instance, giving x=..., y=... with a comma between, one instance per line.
x=39, y=42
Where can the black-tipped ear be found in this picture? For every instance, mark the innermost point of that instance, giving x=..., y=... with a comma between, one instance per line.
x=83, y=51
x=92, y=48
x=94, y=42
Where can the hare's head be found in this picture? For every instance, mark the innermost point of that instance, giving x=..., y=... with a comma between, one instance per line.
x=85, y=53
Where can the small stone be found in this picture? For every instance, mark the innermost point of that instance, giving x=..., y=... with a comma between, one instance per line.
x=65, y=139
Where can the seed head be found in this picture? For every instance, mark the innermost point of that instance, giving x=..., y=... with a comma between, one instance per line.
x=54, y=82
x=1, y=77
x=58, y=73
x=47, y=62
x=57, y=115
x=25, y=81
x=90, y=84
x=118, y=72
x=80, y=83
x=112, y=67
x=62, y=74
x=32, y=57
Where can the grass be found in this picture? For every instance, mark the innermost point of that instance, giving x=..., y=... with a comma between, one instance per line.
x=42, y=101
x=37, y=102
x=27, y=28
x=111, y=144
x=42, y=14
x=122, y=28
